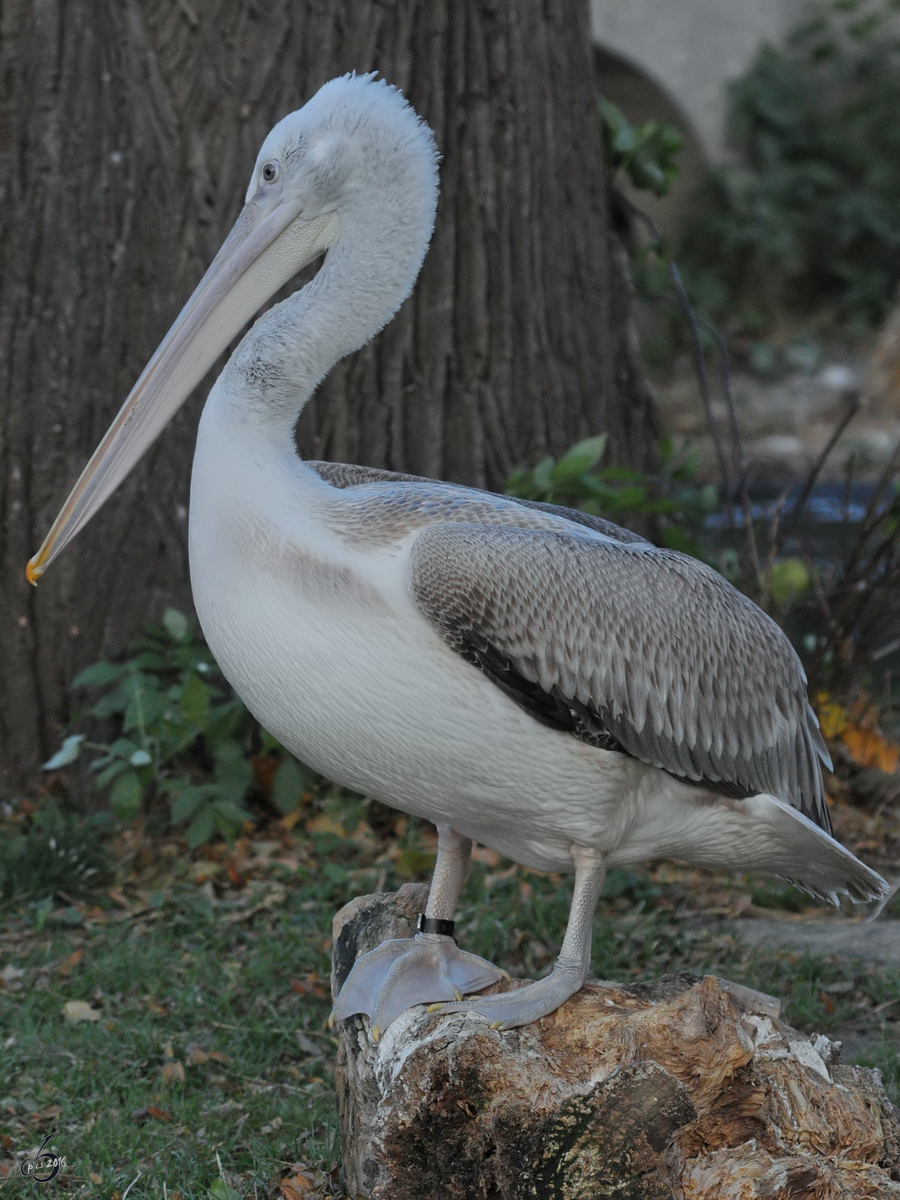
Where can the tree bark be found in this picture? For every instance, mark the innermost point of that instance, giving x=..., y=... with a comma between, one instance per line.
x=129, y=128
x=680, y=1087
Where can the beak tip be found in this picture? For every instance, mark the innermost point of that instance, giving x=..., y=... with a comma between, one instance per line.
x=33, y=572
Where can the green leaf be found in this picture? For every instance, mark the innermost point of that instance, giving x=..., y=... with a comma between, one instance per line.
x=113, y=702
x=270, y=743
x=125, y=797
x=195, y=697
x=580, y=458
x=176, y=625
x=122, y=748
x=202, y=827
x=234, y=773
x=220, y=1190
x=291, y=781
x=225, y=721
x=109, y=773
x=140, y=758
x=789, y=580
x=189, y=800
x=67, y=753
x=234, y=814
x=98, y=674
x=542, y=478
x=146, y=706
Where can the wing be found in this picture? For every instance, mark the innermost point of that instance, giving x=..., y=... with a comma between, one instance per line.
x=344, y=475
x=629, y=647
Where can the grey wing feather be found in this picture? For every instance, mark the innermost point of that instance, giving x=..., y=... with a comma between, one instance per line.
x=343, y=475
x=644, y=646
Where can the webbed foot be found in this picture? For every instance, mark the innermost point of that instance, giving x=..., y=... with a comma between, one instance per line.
x=424, y=969
x=507, y=1010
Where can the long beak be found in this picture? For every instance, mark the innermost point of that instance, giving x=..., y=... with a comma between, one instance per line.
x=262, y=252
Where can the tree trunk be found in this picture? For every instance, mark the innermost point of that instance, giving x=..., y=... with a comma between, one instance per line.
x=129, y=131
x=680, y=1087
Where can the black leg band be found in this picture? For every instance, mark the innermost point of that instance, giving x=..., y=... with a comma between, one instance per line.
x=434, y=925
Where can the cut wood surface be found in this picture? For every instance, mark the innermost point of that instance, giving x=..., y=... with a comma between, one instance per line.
x=685, y=1086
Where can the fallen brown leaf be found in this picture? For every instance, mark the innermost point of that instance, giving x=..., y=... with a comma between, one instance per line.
x=173, y=1072
x=312, y=985
x=68, y=963
x=299, y=1183
x=234, y=875
x=158, y=1114
x=45, y=1115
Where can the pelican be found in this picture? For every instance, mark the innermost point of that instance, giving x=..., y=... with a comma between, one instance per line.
x=522, y=675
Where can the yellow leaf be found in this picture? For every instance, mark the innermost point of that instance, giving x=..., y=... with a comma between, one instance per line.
x=832, y=719
x=868, y=748
x=412, y=863
x=324, y=823
x=172, y=1072
x=79, y=1010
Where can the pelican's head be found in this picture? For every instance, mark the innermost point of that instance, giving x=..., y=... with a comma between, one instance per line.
x=356, y=155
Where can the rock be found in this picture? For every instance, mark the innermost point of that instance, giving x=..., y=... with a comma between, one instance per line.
x=875, y=941
x=683, y=1087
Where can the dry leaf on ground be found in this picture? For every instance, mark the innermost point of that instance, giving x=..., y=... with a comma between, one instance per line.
x=173, y=1072
x=79, y=1010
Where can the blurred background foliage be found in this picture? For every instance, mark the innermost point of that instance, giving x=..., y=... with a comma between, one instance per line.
x=181, y=748
x=807, y=222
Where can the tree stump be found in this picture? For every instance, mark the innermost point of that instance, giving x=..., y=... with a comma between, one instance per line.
x=684, y=1087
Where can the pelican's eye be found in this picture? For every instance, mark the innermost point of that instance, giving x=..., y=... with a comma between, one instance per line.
x=270, y=172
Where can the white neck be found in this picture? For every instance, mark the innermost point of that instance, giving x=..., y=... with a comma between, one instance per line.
x=365, y=277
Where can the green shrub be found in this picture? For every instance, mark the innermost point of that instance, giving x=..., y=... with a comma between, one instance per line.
x=676, y=505
x=183, y=735
x=809, y=222
x=646, y=153
x=58, y=852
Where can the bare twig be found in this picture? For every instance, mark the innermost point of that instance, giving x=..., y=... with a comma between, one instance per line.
x=853, y=408
x=735, y=488
x=886, y=649
x=700, y=367
x=765, y=581
x=882, y=905
x=873, y=514
x=131, y=1185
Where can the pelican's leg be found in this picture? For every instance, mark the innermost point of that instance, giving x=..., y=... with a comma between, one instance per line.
x=426, y=968
x=509, y=1009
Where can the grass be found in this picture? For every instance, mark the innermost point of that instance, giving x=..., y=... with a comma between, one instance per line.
x=202, y=1048
x=209, y=1065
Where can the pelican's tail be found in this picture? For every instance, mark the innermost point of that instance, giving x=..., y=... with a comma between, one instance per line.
x=799, y=851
